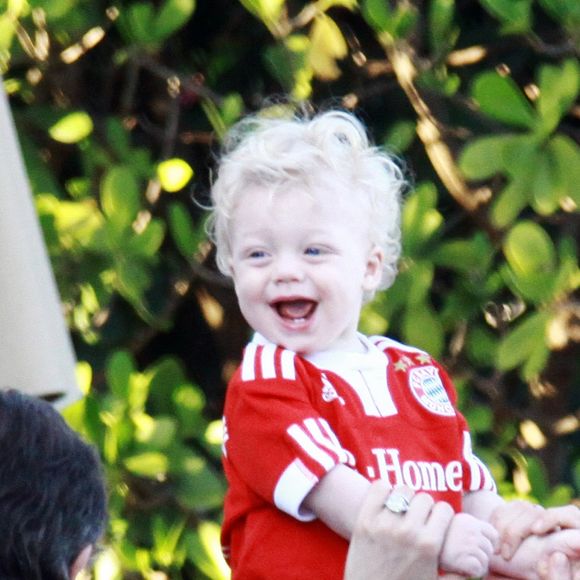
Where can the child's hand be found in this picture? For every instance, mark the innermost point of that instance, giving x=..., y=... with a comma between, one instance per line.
x=559, y=517
x=468, y=546
x=514, y=522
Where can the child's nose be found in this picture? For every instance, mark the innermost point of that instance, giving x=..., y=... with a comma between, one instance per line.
x=288, y=268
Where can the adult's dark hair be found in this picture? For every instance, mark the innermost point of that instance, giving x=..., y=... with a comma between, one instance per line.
x=52, y=493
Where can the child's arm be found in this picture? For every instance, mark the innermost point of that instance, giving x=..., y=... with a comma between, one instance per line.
x=337, y=498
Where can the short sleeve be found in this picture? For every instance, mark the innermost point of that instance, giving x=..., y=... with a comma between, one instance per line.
x=277, y=444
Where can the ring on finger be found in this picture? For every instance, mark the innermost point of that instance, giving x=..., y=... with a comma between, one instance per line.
x=397, y=503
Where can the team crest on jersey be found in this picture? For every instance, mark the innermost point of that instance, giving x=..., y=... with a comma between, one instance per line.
x=428, y=389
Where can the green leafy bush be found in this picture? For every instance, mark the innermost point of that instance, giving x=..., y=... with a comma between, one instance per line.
x=119, y=111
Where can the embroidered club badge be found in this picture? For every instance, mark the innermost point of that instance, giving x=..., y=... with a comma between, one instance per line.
x=426, y=386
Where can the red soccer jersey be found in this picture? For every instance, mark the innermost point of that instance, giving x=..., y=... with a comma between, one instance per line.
x=389, y=413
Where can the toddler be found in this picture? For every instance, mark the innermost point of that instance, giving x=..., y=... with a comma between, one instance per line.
x=306, y=219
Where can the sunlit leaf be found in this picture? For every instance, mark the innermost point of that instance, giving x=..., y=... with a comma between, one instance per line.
x=174, y=174
x=565, y=154
x=148, y=464
x=120, y=196
x=327, y=46
x=267, y=10
x=559, y=88
x=421, y=219
x=529, y=249
x=500, y=97
x=120, y=367
x=72, y=128
x=287, y=61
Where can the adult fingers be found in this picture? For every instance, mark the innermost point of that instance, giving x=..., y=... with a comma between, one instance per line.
x=374, y=500
x=566, y=517
x=555, y=567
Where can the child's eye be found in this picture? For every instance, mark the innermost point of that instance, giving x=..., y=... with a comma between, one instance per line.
x=257, y=254
x=313, y=251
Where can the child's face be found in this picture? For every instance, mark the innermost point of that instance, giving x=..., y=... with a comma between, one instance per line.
x=301, y=263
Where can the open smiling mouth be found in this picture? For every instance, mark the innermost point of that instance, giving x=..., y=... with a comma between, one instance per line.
x=295, y=310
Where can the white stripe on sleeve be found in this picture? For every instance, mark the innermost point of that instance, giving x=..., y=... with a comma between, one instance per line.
x=311, y=448
x=325, y=436
x=294, y=485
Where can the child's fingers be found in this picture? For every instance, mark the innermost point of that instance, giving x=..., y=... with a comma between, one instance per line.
x=565, y=517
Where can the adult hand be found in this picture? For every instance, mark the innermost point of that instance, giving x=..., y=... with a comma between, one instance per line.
x=397, y=546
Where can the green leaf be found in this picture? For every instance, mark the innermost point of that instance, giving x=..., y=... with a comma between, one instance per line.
x=133, y=279
x=538, y=479
x=174, y=174
x=185, y=235
x=441, y=33
x=148, y=242
x=559, y=88
x=529, y=249
x=526, y=338
x=515, y=15
x=499, y=97
x=231, y=108
x=400, y=136
x=327, y=45
x=287, y=62
x=421, y=219
x=204, y=549
x=565, y=154
x=268, y=11
x=567, y=12
x=150, y=464
x=198, y=487
x=466, y=256
x=172, y=16
x=137, y=22
x=422, y=328
x=157, y=433
x=120, y=196
x=377, y=14
x=545, y=196
x=72, y=128
x=120, y=366
x=485, y=157
x=509, y=203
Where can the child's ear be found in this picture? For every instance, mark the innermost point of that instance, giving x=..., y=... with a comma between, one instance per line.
x=374, y=269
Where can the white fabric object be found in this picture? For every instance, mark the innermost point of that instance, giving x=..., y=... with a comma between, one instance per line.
x=36, y=354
